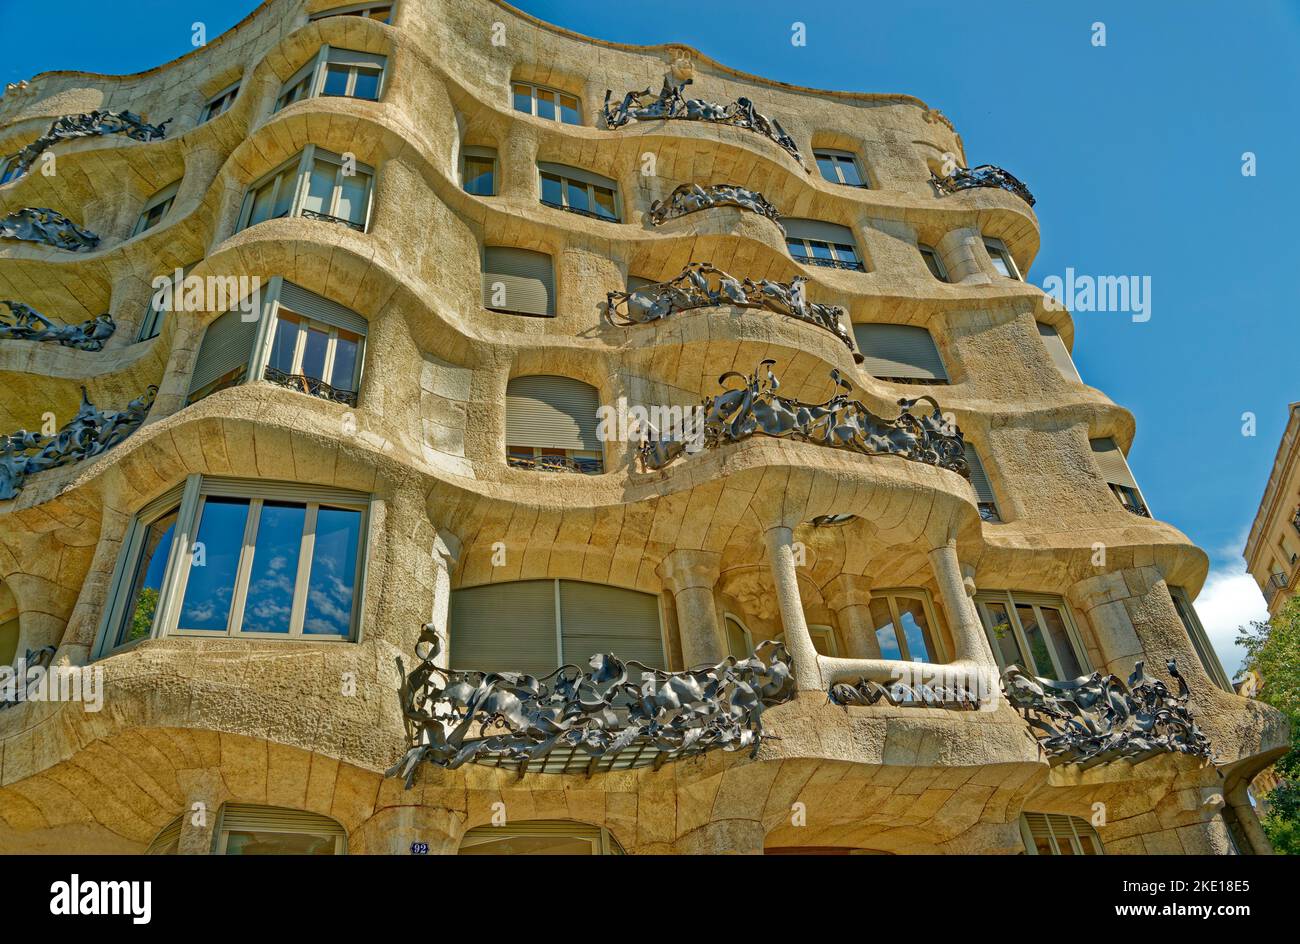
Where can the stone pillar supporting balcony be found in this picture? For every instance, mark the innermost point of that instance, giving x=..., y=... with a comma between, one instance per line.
x=849, y=598
x=446, y=551
x=690, y=576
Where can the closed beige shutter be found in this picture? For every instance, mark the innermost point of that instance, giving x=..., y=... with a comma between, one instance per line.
x=903, y=351
x=319, y=308
x=598, y=619
x=1057, y=351
x=507, y=627
x=351, y=57
x=246, y=817
x=816, y=229
x=227, y=344
x=526, y=277
x=1114, y=469
x=552, y=413
x=978, y=479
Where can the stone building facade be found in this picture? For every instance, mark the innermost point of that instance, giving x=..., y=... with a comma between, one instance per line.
x=1272, y=549
x=437, y=200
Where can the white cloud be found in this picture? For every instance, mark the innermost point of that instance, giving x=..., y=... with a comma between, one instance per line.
x=1230, y=598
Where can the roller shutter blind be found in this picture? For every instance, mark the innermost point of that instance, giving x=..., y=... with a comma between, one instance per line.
x=227, y=344
x=816, y=229
x=595, y=618
x=508, y=627
x=1046, y=826
x=1114, y=469
x=167, y=837
x=1057, y=351
x=907, y=352
x=551, y=413
x=248, y=817
x=351, y=57
x=978, y=479
x=527, y=277
x=318, y=308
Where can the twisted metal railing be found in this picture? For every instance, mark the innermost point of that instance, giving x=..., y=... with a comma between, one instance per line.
x=312, y=386
x=327, y=218
x=577, y=464
x=18, y=687
x=986, y=175
x=87, y=125
x=43, y=225
x=574, y=720
x=703, y=285
x=1098, y=718
x=756, y=409
x=23, y=323
x=89, y=433
x=691, y=198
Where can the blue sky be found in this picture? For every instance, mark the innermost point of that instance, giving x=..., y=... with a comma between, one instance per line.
x=1134, y=152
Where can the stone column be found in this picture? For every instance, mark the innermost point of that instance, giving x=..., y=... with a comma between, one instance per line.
x=849, y=597
x=1239, y=800
x=780, y=554
x=962, y=252
x=968, y=636
x=446, y=550
x=393, y=829
x=517, y=161
x=690, y=575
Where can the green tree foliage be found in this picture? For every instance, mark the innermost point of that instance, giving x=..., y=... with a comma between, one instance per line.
x=1273, y=652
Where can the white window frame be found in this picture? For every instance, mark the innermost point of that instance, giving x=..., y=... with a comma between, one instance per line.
x=1031, y=847
x=1010, y=599
x=929, y=252
x=840, y=158
x=188, y=501
x=219, y=104
x=566, y=182
x=302, y=164
x=533, y=89
x=151, y=324
x=314, y=74
x=934, y=640
x=163, y=198
x=858, y=264
x=1191, y=621
x=997, y=249
x=300, y=343
x=480, y=153
x=358, y=9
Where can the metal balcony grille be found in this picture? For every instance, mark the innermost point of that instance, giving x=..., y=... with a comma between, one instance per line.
x=312, y=386
x=314, y=215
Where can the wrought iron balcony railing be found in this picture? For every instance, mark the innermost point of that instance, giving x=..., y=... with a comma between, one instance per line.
x=26, y=324
x=1295, y=520
x=327, y=218
x=989, y=512
x=87, y=125
x=1275, y=584
x=579, y=464
x=986, y=175
x=1136, y=508
x=691, y=198
x=43, y=225
x=614, y=716
x=312, y=386
x=604, y=217
x=830, y=263
x=28, y=685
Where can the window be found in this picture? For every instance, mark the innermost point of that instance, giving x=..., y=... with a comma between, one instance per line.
x=1058, y=352
x=382, y=12
x=478, y=171
x=1055, y=834
x=813, y=242
x=1200, y=641
x=339, y=73
x=551, y=425
x=219, y=104
x=1032, y=631
x=318, y=185
x=1002, y=260
x=156, y=209
x=245, y=829
x=233, y=557
x=568, y=188
x=740, y=644
x=979, y=480
x=539, y=837
x=151, y=325
x=548, y=103
x=10, y=170
x=839, y=167
x=518, y=281
x=1114, y=469
x=535, y=626
x=933, y=262
x=900, y=353
x=823, y=638
x=311, y=344
x=168, y=840
x=904, y=621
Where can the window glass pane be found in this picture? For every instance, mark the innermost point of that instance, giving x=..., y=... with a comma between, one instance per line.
x=820, y=250
x=148, y=580
x=737, y=643
x=569, y=110
x=333, y=572
x=261, y=204
x=381, y=14
x=320, y=187
x=313, y=353
x=846, y=253
x=211, y=580
x=1004, y=637
x=275, y=568
x=849, y=169
x=352, y=198
x=336, y=80
x=545, y=104
x=552, y=189
x=796, y=247
x=367, y=86
x=288, y=180
x=999, y=260
x=523, y=96
x=576, y=195
x=827, y=166
x=478, y=176
x=285, y=339
x=883, y=622
x=932, y=263
x=916, y=628
x=605, y=202
x=1037, y=643
x=345, y=361
x=1054, y=623
x=268, y=843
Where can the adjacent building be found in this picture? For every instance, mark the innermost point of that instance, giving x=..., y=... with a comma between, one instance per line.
x=502, y=440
